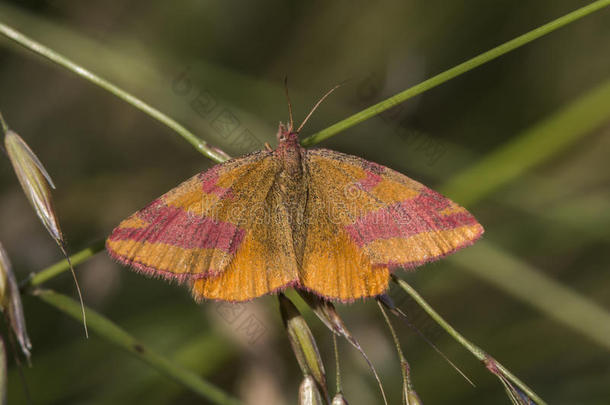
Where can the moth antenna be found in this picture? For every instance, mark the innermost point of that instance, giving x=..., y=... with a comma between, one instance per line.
x=289, y=103
x=328, y=93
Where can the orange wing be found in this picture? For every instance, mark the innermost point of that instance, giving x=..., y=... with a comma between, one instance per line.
x=364, y=219
x=196, y=228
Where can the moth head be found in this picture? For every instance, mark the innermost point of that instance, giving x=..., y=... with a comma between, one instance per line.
x=285, y=134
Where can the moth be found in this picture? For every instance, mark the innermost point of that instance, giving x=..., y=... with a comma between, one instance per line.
x=313, y=219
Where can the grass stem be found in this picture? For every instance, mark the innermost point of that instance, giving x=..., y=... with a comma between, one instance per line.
x=44, y=51
x=111, y=332
x=63, y=265
x=479, y=353
x=454, y=72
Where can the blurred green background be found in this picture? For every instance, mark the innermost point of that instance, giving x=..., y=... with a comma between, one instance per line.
x=218, y=68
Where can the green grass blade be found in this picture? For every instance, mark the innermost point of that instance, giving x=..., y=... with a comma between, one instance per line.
x=63, y=265
x=471, y=347
x=454, y=72
x=211, y=152
x=114, y=334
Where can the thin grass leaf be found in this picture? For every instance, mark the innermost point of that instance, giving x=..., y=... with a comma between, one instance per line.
x=327, y=313
x=112, y=333
x=471, y=347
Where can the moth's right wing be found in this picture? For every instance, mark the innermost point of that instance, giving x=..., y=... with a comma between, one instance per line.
x=365, y=218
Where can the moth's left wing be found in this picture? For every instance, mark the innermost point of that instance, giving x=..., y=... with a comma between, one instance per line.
x=196, y=229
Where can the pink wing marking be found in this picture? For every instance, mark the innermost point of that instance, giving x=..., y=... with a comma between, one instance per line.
x=176, y=227
x=407, y=218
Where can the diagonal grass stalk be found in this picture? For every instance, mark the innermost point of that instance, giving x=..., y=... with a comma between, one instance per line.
x=114, y=334
x=472, y=348
x=63, y=265
x=454, y=72
x=36, y=47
